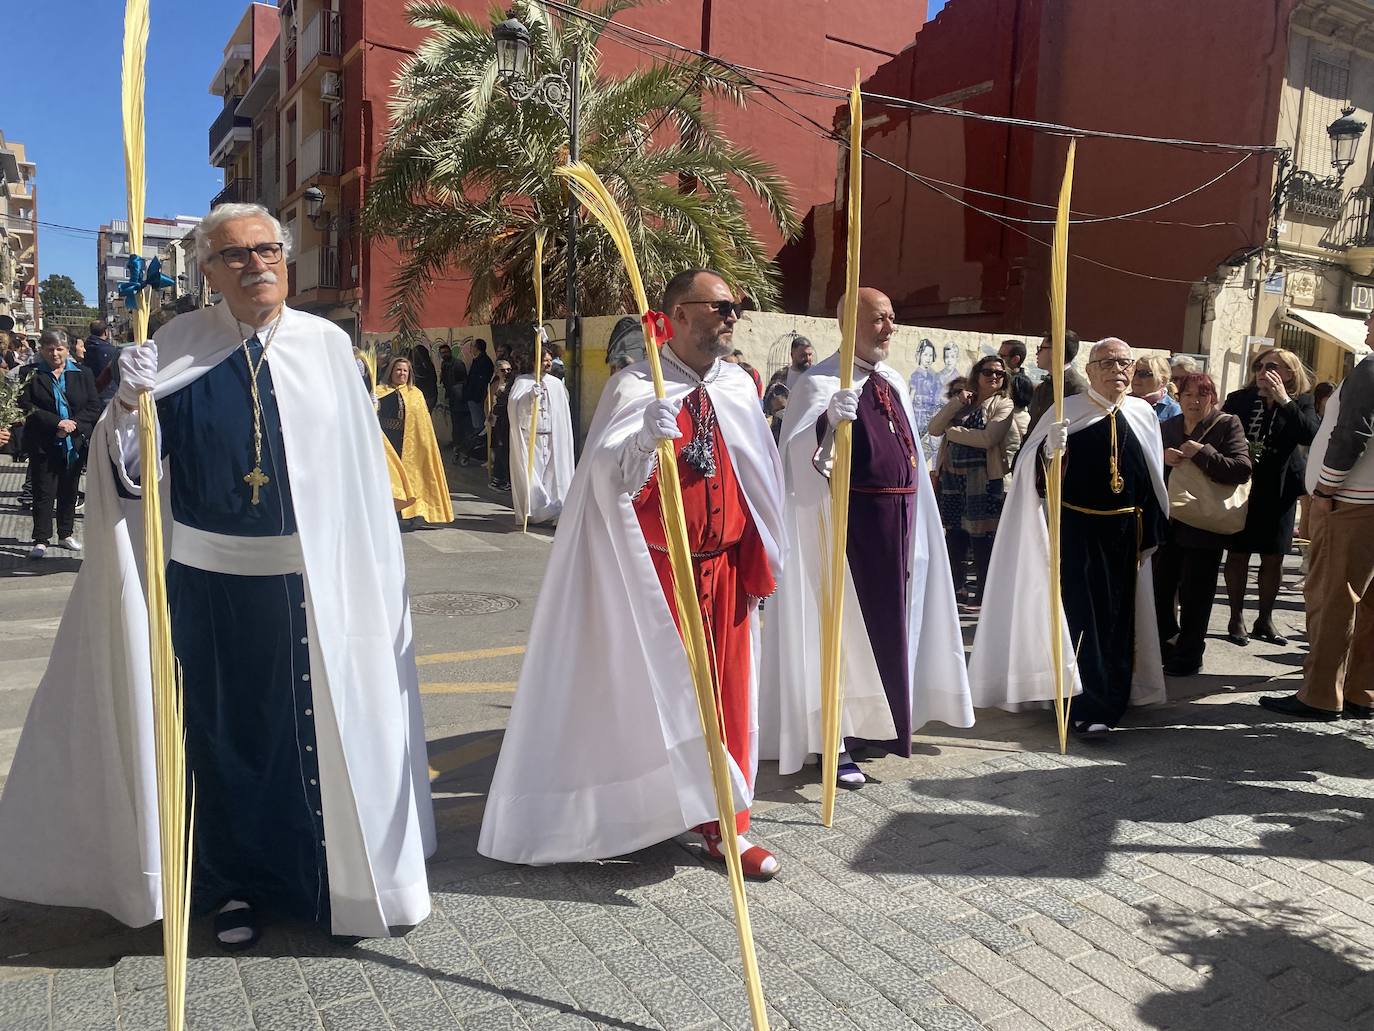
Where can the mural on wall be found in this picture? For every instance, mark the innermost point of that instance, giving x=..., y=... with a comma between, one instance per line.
x=929, y=386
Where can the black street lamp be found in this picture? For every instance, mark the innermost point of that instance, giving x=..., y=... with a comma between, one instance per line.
x=1345, y=133
x=560, y=92
x=1316, y=194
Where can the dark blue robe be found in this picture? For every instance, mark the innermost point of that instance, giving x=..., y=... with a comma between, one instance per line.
x=242, y=642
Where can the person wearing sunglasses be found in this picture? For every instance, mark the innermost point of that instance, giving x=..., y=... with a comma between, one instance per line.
x=604, y=752
x=904, y=664
x=287, y=598
x=980, y=438
x=1113, y=513
x=1042, y=400
x=1151, y=383
x=1280, y=419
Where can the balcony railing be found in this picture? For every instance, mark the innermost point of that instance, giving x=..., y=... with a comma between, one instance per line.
x=317, y=269
x=236, y=191
x=226, y=123
x=320, y=37
x=321, y=154
x=1360, y=221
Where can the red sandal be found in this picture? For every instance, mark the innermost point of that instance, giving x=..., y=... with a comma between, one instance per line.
x=756, y=862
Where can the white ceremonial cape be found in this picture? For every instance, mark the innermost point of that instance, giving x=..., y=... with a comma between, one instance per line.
x=1011, y=664
x=79, y=819
x=553, y=455
x=603, y=752
x=790, y=691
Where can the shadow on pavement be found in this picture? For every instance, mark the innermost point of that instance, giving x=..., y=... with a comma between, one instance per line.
x=1259, y=961
x=1067, y=820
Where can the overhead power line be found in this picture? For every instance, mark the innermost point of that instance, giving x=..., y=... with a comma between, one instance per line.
x=826, y=90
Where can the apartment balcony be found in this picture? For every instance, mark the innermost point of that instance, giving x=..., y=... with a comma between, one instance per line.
x=228, y=132
x=317, y=269
x=236, y=191
x=321, y=154
x=1359, y=253
x=19, y=191
x=320, y=38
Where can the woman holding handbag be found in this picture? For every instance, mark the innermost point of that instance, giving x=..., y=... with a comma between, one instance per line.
x=980, y=437
x=1207, y=467
x=1279, y=419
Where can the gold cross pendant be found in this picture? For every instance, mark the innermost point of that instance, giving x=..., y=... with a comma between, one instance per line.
x=256, y=479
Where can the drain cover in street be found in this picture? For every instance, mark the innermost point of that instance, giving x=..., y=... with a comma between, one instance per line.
x=461, y=604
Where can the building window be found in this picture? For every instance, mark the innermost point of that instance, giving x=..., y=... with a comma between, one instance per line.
x=1326, y=92
x=1300, y=342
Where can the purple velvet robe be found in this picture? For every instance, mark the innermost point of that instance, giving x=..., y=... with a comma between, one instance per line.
x=882, y=508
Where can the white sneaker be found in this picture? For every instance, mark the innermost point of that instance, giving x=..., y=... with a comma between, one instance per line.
x=70, y=543
x=38, y=551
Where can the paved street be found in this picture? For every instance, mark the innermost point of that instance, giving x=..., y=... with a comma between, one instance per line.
x=1206, y=868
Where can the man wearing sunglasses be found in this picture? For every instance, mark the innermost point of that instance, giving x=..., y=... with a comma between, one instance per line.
x=603, y=752
x=904, y=651
x=1114, y=507
x=286, y=588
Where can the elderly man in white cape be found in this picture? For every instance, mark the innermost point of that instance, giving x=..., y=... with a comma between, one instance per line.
x=286, y=584
x=903, y=656
x=1114, y=511
x=603, y=752
x=541, y=495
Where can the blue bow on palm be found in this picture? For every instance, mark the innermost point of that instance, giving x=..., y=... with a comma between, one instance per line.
x=141, y=276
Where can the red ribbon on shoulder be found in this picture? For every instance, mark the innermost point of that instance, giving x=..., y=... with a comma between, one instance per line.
x=659, y=326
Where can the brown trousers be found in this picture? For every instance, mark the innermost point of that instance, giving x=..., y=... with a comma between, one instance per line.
x=1340, y=606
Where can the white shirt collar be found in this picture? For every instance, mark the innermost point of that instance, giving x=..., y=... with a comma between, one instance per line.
x=1103, y=402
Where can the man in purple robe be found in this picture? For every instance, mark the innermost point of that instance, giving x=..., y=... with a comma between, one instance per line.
x=903, y=660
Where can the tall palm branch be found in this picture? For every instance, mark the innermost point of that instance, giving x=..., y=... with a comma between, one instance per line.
x=466, y=174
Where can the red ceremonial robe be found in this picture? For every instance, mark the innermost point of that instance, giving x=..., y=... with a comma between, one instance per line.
x=730, y=567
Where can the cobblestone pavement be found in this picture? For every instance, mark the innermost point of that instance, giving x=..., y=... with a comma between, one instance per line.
x=1208, y=868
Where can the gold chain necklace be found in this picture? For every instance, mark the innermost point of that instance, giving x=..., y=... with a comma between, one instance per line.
x=1116, y=483
x=256, y=478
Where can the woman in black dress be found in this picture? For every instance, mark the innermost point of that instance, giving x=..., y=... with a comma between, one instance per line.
x=1279, y=419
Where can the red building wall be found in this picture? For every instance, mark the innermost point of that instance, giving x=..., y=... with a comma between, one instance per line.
x=1170, y=68
x=265, y=30
x=821, y=39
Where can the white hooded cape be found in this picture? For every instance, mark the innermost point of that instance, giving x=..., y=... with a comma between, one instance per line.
x=553, y=454
x=1011, y=664
x=78, y=819
x=603, y=752
x=789, y=692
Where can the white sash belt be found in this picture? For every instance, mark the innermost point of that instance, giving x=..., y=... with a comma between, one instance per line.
x=237, y=556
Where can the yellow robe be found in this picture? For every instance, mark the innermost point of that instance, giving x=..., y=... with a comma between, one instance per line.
x=420, y=473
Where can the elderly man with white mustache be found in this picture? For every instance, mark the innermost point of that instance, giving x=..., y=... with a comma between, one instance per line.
x=290, y=623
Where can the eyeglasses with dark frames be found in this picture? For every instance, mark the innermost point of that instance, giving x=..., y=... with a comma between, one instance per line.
x=1120, y=364
x=992, y=373
x=239, y=257
x=1267, y=367
x=723, y=308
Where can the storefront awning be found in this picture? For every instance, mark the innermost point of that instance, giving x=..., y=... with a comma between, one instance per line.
x=1342, y=331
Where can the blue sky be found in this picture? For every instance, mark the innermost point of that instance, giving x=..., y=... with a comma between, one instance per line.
x=61, y=100
x=934, y=8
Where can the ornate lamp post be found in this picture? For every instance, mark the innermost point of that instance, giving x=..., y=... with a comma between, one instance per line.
x=1345, y=134
x=560, y=92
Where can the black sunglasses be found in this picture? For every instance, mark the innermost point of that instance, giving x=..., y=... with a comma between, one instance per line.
x=723, y=308
x=992, y=373
x=1266, y=367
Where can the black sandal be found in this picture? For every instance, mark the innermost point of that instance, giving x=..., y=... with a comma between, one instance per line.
x=1268, y=635
x=243, y=918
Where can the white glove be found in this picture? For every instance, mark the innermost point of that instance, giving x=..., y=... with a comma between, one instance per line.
x=1057, y=439
x=843, y=407
x=137, y=372
x=660, y=423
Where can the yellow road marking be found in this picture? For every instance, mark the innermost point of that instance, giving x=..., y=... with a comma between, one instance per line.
x=477, y=653
x=465, y=687
x=464, y=755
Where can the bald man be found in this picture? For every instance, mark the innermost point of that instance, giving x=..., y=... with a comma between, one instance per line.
x=903, y=651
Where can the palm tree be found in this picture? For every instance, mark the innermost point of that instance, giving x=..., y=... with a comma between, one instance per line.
x=466, y=174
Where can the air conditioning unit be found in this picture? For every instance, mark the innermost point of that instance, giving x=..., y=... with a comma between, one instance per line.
x=331, y=87
x=1361, y=298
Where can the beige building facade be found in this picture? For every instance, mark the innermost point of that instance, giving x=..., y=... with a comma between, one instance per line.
x=18, y=238
x=1311, y=289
